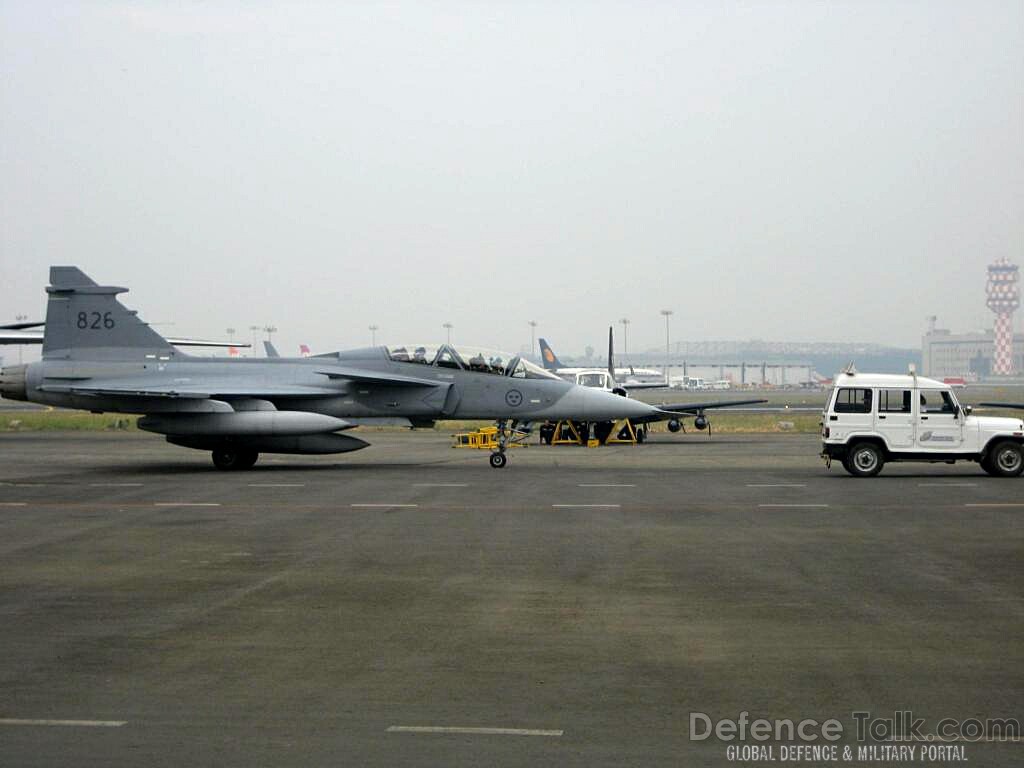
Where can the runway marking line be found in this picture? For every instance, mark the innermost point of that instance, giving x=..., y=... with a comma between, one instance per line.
x=581, y=506
x=13, y=503
x=383, y=505
x=478, y=731
x=606, y=485
x=115, y=485
x=66, y=723
x=792, y=505
x=776, y=485
x=947, y=485
x=996, y=504
x=277, y=485
x=440, y=485
x=186, y=504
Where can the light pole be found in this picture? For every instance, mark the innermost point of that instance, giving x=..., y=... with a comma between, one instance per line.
x=448, y=327
x=667, y=313
x=254, y=329
x=373, y=335
x=533, y=336
x=625, y=336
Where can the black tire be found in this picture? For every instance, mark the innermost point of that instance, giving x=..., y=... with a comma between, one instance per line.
x=498, y=460
x=864, y=460
x=1005, y=459
x=230, y=461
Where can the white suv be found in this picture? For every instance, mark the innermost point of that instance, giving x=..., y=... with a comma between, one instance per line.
x=874, y=418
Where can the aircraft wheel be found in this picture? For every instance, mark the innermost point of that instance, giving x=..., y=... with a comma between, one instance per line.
x=641, y=435
x=498, y=460
x=234, y=460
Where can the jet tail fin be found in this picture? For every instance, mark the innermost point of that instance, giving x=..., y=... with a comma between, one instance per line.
x=85, y=321
x=550, y=359
x=270, y=350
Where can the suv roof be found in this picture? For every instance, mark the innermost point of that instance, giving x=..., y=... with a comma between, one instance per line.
x=887, y=380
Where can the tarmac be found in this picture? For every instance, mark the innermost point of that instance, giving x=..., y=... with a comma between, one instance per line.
x=407, y=605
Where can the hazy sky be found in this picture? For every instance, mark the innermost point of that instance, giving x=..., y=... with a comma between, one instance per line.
x=822, y=171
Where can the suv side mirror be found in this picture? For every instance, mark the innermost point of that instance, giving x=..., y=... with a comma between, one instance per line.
x=967, y=409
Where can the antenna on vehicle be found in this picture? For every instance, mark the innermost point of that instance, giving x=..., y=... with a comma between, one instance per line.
x=850, y=369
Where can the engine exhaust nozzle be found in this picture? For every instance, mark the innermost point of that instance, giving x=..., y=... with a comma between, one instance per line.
x=12, y=382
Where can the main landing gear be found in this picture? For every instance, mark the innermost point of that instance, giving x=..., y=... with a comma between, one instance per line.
x=231, y=459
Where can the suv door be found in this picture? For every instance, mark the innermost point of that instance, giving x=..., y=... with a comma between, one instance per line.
x=895, y=417
x=851, y=412
x=939, y=424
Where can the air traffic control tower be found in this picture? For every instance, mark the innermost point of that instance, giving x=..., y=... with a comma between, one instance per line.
x=1003, y=294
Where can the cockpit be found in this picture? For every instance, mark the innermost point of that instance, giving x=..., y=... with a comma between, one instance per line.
x=474, y=359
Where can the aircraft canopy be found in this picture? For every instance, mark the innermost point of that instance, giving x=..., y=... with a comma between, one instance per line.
x=475, y=359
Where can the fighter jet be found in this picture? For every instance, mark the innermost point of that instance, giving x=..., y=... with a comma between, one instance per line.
x=99, y=356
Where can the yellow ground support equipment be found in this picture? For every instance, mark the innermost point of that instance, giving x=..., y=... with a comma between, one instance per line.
x=566, y=434
x=485, y=439
x=623, y=432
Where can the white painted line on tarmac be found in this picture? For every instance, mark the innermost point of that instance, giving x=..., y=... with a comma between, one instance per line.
x=472, y=730
x=776, y=485
x=996, y=504
x=946, y=485
x=13, y=503
x=186, y=504
x=581, y=506
x=67, y=723
x=384, y=505
x=440, y=485
x=792, y=505
x=606, y=485
x=115, y=485
x=277, y=485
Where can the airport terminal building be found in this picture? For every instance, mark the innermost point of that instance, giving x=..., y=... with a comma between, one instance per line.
x=965, y=355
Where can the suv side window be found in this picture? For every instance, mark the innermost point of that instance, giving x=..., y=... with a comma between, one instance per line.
x=894, y=401
x=937, y=401
x=849, y=400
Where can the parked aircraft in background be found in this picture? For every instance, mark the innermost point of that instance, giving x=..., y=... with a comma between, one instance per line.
x=606, y=380
x=99, y=356
x=627, y=374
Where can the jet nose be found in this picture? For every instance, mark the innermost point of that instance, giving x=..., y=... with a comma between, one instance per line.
x=599, y=405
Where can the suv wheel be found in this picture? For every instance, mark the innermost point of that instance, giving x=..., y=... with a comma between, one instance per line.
x=1004, y=460
x=864, y=460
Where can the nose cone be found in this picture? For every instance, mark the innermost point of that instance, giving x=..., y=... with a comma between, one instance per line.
x=589, y=404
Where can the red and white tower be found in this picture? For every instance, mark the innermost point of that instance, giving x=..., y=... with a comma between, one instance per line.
x=1003, y=299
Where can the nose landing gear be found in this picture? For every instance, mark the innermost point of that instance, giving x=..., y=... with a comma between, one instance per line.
x=498, y=458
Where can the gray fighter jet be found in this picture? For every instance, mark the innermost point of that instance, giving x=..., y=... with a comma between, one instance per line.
x=99, y=356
